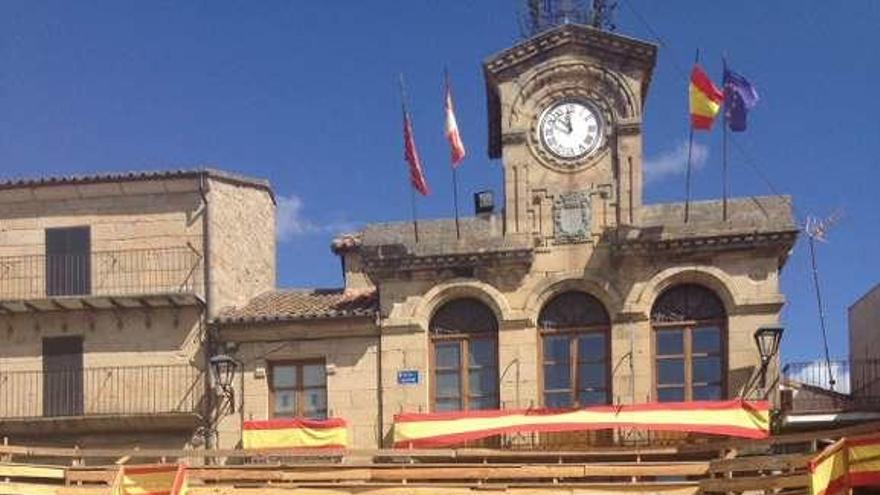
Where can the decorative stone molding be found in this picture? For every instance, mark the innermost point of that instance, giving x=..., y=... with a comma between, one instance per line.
x=456, y=288
x=600, y=288
x=642, y=297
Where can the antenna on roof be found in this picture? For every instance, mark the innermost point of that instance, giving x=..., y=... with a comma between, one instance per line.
x=817, y=230
x=537, y=16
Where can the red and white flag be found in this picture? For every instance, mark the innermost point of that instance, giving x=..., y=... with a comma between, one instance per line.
x=456, y=147
x=416, y=175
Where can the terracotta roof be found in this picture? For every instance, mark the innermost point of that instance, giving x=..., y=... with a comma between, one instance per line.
x=128, y=176
x=301, y=304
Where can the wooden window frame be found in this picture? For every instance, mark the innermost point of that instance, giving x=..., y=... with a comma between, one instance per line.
x=688, y=355
x=574, y=333
x=299, y=388
x=463, y=340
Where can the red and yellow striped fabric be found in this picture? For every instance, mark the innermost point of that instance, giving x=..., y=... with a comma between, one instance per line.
x=159, y=479
x=705, y=99
x=735, y=418
x=848, y=463
x=295, y=433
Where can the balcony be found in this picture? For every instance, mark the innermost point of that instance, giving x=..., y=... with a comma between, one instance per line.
x=101, y=280
x=851, y=386
x=78, y=400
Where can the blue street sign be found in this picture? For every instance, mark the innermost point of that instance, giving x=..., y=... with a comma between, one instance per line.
x=408, y=377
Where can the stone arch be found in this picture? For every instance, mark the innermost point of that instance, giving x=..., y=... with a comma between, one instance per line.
x=456, y=289
x=712, y=278
x=606, y=87
x=550, y=287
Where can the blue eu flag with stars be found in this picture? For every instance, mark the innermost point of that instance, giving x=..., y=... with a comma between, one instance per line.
x=739, y=97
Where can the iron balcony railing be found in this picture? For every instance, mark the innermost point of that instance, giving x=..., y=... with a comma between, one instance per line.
x=116, y=390
x=838, y=385
x=101, y=273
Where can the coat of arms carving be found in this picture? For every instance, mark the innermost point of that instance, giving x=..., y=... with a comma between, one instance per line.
x=571, y=214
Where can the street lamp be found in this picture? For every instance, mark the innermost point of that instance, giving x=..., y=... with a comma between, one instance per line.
x=767, y=339
x=223, y=368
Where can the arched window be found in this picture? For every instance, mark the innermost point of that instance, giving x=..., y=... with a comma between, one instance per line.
x=575, y=347
x=464, y=342
x=690, y=333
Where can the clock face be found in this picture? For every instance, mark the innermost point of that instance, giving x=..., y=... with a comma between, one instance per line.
x=571, y=129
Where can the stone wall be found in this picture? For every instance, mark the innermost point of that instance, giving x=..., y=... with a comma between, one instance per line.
x=242, y=234
x=864, y=344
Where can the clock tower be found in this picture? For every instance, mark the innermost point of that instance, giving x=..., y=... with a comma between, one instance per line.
x=565, y=114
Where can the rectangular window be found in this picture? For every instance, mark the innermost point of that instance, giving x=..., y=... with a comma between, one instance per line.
x=575, y=369
x=689, y=364
x=68, y=261
x=298, y=389
x=465, y=374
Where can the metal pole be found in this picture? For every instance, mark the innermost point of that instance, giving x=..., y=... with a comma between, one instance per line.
x=455, y=199
x=412, y=189
x=812, y=244
x=687, y=186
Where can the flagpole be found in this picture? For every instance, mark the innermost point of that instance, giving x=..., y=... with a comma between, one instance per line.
x=724, y=147
x=687, y=187
x=454, y=166
x=412, y=189
x=415, y=216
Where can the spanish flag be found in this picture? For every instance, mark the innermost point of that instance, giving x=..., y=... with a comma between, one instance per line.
x=735, y=418
x=848, y=463
x=295, y=434
x=705, y=99
x=160, y=479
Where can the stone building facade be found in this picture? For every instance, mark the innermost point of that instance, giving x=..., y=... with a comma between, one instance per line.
x=576, y=293
x=107, y=285
x=116, y=290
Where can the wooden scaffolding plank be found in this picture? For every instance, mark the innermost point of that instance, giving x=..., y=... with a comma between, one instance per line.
x=761, y=483
x=760, y=463
x=9, y=470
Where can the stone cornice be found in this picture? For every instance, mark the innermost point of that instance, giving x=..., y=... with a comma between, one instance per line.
x=723, y=242
x=601, y=41
x=408, y=262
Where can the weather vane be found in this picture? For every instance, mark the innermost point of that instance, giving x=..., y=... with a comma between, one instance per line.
x=541, y=15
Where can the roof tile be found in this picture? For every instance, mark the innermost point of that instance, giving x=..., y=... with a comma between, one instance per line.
x=297, y=304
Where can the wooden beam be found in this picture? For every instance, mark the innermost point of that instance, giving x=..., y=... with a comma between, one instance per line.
x=8, y=470
x=761, y=463
x=759, y=483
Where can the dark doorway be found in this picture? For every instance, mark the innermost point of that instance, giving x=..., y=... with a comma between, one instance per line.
x=63, y=376
x=68, y=261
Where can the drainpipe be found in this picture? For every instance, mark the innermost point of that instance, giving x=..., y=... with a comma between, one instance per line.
x=207, y=311
x=379, y=393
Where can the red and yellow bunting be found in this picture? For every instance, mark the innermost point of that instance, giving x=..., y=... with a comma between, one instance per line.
x=705, y=99
x=151, y=480
x=848, y=463
x=295, y=433
x=733, y=418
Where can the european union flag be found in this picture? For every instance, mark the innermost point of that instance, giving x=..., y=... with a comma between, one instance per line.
x=739, y=97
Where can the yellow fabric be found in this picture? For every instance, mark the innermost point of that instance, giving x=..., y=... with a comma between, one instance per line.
x=405, y=431
x=847, y=463
x=828, y=469
x=865, y=458
x=701, y=104
x=156, y=483
x=295, y=438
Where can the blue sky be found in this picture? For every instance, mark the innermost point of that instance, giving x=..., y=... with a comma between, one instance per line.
x=304, y=94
